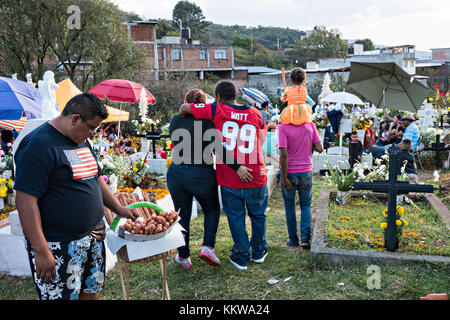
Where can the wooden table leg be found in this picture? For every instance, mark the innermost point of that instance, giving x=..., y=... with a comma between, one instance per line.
x=163, y=264
x=124, y=289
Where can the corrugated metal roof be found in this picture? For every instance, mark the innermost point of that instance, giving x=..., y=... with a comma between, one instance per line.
x=256, y=69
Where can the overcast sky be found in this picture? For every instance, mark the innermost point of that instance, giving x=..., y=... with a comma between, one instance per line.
x=423, y=23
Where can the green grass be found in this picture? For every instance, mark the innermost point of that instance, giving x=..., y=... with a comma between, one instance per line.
x=311, y=280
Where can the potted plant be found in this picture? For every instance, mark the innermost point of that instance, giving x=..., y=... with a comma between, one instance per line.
x=342, y=181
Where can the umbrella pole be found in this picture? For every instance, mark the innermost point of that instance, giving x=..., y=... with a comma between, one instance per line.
x=120, y=115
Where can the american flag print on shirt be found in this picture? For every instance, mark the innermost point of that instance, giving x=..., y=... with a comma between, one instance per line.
x=82, y=162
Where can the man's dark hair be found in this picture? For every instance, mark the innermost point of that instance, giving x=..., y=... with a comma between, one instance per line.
x=226, y=90
x=399, y=116
x=264, y=104
x=353, y=133
x=298, y=75
x=87, y=105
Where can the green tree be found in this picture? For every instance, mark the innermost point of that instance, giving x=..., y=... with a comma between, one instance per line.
x=31, y=32
x=165, y=27
x=24, y=36
x=191, y=16
x=321, y=43
x=242, y=42
x=367, y=44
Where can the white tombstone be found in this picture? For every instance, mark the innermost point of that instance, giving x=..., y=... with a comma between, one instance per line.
x=428, y=120
x=47, y=88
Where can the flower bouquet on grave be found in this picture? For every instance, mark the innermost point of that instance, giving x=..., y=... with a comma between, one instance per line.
x=441, y=100
x=142, y=126
x=320, y=119
x=116, y=165
x=361, y=121
x=342, y=181
x=7, y=179
x=138, y=171
x=129, y=145
x=399, y=221
x=3, y=192
x=428, y=136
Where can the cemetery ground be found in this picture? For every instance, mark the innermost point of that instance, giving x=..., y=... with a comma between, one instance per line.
x=310, y=279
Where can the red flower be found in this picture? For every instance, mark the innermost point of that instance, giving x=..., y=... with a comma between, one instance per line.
x=171, y=145
x=164, y=155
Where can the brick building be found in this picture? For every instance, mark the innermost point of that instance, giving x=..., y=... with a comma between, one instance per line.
x=436, y=70
x=182, y=54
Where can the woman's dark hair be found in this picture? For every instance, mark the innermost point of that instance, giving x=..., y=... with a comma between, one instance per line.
x=195, y=96
x=7, y=136
x=298, y=75
x=381, y=124
x=226, y=90
x=87, y=105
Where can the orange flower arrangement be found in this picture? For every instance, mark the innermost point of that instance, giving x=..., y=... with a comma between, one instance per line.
x=160, y=193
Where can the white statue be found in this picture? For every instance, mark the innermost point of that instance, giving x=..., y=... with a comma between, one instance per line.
x=14, y=76
x=30, y=80
x=325, y=88
x=47, y=88
x=143, y=104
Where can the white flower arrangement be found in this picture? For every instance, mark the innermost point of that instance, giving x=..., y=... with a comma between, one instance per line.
x=117, y=166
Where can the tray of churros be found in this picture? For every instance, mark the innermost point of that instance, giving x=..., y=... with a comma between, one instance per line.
x=153, y=223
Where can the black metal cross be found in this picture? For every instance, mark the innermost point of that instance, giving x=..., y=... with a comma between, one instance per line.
x=392, y=187
x=437, y=148
x=155, y=136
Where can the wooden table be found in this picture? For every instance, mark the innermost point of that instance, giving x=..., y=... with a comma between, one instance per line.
x=123, y=264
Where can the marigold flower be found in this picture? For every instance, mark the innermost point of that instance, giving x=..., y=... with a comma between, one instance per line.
x=383, y=225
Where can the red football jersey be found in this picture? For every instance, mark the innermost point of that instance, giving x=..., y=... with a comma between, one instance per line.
x=243, y=132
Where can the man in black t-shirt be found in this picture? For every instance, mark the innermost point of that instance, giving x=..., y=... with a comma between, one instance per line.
x=60, y=195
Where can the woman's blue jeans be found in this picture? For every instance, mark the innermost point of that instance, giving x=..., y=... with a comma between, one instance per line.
x=186, y=182
x=236, y=203
x=301, y=183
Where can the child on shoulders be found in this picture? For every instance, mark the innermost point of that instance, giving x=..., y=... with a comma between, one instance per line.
x=297, y=111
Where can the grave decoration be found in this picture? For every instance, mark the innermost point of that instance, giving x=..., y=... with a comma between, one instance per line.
x=393, y=188
x=7, y=196
x=343, y=182
x=437, y=147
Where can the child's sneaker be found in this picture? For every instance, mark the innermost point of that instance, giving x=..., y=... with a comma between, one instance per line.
x=209, y=256
x=185, y=263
